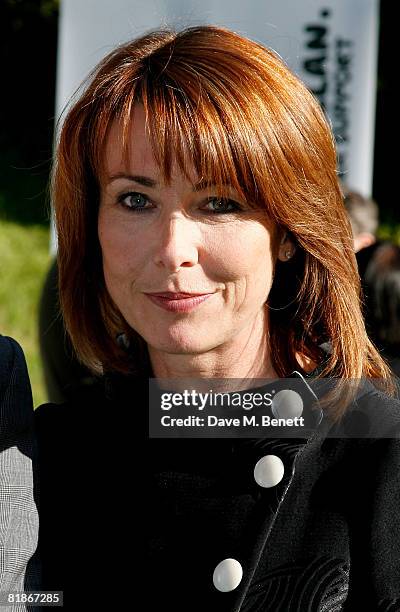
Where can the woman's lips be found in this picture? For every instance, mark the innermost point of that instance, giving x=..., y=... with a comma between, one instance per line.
x=178, y=304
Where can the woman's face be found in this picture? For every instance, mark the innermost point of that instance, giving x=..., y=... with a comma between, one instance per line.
x=158, y=238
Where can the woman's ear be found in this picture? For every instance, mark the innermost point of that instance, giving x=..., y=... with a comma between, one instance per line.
x=287, y=247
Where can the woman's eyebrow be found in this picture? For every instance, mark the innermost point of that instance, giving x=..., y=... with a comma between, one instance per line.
x=142, y=180
x=149, y=182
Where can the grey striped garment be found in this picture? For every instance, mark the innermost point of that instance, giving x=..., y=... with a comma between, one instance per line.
x=19, y=521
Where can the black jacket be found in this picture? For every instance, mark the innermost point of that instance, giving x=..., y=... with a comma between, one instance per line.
x=325, y=538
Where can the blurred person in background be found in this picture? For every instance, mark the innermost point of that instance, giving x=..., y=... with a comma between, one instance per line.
x=382, y=292
x=379, y=268
x=19, y=520
x=364, y=218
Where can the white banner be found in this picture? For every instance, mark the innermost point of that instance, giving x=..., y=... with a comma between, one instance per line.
x=330, y=44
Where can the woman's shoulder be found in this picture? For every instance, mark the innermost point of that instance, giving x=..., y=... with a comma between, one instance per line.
x=54, y=415
x=50, y=411
x=379, y=412
x=51, y=434
x=369, y=413
x=83, y=409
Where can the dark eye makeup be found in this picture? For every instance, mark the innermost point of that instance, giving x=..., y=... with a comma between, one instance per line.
x=137, y=202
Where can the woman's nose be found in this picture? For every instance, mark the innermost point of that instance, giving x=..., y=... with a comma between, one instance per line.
x=176, y=245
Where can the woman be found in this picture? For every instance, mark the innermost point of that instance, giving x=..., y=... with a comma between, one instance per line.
x=19, y=521
x=197, y=163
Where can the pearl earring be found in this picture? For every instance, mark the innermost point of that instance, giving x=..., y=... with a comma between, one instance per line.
x=288, y=254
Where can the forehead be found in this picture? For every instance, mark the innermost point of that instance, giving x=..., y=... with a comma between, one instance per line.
x=139, y=147
x=136, y=155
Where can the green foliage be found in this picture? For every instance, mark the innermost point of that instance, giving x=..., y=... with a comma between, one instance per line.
x=389, y=231
x=25, y=259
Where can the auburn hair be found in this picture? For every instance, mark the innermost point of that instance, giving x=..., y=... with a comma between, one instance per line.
x=232, y=109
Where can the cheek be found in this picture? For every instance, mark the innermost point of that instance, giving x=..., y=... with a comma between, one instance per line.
x=247, y=255
x=119, y=256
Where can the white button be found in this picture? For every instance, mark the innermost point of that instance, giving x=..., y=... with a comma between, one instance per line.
x=269, y=470
x=227, y=575
x=287, y=404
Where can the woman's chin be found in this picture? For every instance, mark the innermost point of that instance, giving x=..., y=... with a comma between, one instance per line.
x=180, y=341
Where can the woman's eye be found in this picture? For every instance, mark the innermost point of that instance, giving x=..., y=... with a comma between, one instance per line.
x=223, y=205
x=134, y=201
